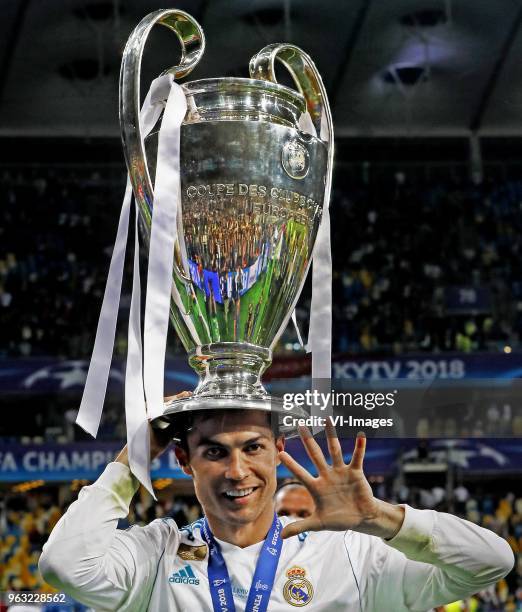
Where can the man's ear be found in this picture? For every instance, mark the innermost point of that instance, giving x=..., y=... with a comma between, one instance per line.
x=182, y=457
x=280, y=445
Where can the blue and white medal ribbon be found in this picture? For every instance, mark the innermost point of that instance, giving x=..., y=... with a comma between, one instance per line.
x=264, y=574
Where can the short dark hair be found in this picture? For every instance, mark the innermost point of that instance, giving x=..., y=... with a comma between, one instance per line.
x=290, y=483
x=183, y=423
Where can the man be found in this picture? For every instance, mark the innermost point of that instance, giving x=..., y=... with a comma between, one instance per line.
x=293, y=499
x=354, y=552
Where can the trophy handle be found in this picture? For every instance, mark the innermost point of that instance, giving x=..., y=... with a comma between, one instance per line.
x=309, y=82
x=192, y=41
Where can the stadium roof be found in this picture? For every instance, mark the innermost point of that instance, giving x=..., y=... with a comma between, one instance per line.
x=392, y=67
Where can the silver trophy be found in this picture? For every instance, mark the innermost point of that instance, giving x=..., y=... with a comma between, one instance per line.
x=253, y=182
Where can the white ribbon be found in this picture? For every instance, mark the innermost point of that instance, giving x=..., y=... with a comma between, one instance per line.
x=138, y=443
x=91, y=406
x=320, y=331
x=167, y=177
x=167, y=195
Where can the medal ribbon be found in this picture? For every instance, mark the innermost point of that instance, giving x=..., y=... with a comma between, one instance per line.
x=264, y=574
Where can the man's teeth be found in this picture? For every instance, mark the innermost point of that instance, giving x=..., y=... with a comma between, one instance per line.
x=240, y=493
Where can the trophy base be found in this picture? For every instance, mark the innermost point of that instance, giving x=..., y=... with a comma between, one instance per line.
x=274, y=405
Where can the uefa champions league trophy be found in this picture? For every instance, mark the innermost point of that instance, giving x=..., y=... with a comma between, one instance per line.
x=254, y=176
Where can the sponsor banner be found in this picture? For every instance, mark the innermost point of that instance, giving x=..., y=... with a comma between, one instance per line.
x=451, y=367
x=65, y=462
x=39, y=375
x=44, y=375
x=421, y=366
x=86, y=460
x=479, y=456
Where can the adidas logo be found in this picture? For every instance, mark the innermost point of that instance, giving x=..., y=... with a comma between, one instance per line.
x=184, y=576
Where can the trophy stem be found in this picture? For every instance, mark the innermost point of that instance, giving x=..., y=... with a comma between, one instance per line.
x=230, y=378
x=230, y=369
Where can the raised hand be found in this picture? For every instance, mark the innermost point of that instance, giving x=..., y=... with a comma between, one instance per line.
x=160, y=439
x=343, y=497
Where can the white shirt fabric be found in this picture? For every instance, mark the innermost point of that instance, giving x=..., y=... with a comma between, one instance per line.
x=435, y=558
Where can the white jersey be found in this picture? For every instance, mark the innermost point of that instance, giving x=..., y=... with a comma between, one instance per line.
x=434, y=559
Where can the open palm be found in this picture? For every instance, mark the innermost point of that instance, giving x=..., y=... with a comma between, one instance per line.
x=343, y=497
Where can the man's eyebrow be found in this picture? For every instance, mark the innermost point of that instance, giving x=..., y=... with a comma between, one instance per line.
x=254, y=439
x=211, y=442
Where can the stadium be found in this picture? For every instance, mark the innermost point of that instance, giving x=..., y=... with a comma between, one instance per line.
x=426, y=239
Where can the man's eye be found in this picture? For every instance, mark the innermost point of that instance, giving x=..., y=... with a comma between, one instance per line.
x=252, y=448
x=214, y=452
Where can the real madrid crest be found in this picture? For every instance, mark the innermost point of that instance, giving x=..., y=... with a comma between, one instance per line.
x=298, y=591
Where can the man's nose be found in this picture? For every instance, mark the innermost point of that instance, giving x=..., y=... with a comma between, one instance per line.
x=236, y=469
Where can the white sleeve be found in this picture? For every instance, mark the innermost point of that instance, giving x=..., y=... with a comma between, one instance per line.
x=434, y=559
x=95, y=563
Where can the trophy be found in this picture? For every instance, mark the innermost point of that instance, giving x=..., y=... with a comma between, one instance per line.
x=255, y=165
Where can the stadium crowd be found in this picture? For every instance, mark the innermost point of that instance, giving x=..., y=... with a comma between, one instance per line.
x=398, y=247
x=55, y=242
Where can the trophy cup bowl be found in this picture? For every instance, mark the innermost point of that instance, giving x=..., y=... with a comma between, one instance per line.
x=252, y=195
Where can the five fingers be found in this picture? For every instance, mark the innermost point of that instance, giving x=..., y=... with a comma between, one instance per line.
x=313, y=523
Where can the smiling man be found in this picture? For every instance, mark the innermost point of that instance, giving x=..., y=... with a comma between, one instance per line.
x=354, y=552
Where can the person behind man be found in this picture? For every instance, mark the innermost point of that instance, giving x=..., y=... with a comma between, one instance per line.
x=354, y=552
x=293, y=499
